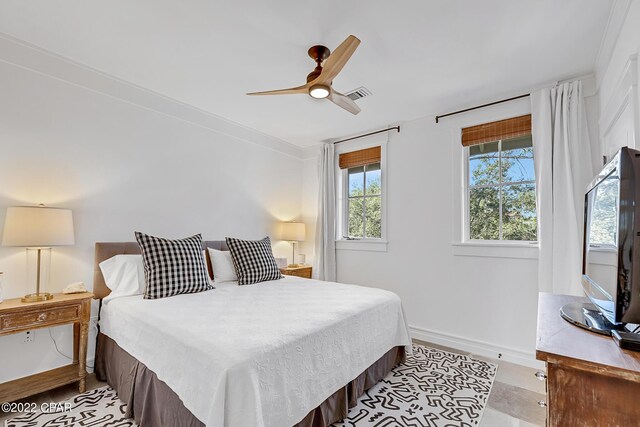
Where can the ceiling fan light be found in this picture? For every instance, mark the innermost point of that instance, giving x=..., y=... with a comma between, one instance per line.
x=319, y=91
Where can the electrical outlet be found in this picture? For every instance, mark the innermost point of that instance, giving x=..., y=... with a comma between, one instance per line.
x=29, y=336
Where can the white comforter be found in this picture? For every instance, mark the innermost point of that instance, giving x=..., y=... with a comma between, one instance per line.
x=258, y=355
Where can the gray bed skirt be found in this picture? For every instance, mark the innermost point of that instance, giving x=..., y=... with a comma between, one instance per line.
x=152, y=403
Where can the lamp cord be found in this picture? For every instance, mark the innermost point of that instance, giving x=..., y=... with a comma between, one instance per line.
x=55, y=344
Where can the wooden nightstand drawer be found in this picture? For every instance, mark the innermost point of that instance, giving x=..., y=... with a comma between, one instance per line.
x=39, y=318
x=304, y=271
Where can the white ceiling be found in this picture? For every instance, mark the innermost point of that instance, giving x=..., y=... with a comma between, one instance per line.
x=419, y=57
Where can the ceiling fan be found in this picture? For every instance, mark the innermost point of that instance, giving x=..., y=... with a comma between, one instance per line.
x=319, y=80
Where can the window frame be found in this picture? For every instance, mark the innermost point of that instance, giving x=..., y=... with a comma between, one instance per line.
x=467, y=206
x=342, y=196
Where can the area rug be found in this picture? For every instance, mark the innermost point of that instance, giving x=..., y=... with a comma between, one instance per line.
x=432, y=388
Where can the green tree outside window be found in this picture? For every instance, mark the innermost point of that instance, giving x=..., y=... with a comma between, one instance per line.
x=502, y=192
x=365, y=202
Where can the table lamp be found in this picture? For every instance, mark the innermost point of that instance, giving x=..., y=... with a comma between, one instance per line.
x=38, y=228
x=293, y=232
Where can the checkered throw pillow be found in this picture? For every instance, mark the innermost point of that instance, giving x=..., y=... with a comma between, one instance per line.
x=253, y=260
x=173, y=267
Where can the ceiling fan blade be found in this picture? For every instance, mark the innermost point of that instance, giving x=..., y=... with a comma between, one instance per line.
x=343, y=101
x=292, y=90
x=337, y=60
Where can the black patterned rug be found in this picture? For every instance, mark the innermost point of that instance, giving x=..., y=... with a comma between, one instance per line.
x=433, y=388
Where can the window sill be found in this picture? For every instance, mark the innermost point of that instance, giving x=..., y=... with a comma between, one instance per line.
x=496, y=249
x=362, y=245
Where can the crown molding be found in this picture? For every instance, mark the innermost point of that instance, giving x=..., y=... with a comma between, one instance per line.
x=24, y=55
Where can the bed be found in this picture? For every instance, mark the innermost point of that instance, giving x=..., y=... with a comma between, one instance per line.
x=287, y=352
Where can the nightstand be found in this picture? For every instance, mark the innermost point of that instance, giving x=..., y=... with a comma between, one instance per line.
x=16, y=316
x=302, y=271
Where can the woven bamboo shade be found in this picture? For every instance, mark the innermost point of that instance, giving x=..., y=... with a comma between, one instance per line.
x=359, y=158
x=494, y=131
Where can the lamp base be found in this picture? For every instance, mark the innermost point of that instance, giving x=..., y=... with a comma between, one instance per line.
x=295, y=265
x=43, y=296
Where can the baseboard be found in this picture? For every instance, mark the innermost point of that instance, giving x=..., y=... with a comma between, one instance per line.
x=476, y=347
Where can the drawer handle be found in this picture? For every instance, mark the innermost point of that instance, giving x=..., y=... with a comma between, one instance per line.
x=42, y=317
x=542, y=403
x=540, y=375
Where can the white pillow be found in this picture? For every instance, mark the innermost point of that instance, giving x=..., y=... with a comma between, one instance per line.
x=124, y=275
x=222, y=264
x=226, y=285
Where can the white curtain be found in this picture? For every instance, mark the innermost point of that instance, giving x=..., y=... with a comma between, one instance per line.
x=325, y=245
x=563, y=168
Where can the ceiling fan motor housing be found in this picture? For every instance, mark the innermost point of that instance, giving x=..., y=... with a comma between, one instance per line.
x=318, y=53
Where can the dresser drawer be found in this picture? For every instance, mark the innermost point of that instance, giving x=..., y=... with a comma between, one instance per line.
x=40, y=318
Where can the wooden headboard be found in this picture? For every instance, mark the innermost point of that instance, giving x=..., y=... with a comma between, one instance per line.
x=106, y=250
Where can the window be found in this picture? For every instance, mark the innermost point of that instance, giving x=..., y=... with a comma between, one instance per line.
x=362, y=194
x=501, y=194
x=364, y=202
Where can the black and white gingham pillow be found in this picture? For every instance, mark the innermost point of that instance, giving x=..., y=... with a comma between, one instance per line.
x=173, y=267
x=253, y=260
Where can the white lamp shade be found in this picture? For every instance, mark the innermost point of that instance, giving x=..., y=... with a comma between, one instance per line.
x=31, y=226
x=293, y=231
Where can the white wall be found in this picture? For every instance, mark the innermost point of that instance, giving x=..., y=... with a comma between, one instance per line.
x=627, y=43
x=124, y=159
x=617, y=79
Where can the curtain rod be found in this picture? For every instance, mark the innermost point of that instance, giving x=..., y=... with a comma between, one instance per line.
x=368, y=134
x=480, y=106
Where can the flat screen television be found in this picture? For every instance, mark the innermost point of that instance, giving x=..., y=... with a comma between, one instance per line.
x=611, y=258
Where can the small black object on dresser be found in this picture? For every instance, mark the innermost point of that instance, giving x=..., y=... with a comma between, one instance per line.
x=626, y=340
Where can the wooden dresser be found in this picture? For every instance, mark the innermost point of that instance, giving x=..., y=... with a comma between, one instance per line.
x=590, y=380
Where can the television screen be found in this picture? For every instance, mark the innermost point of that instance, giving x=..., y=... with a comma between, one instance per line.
x=601, y=243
